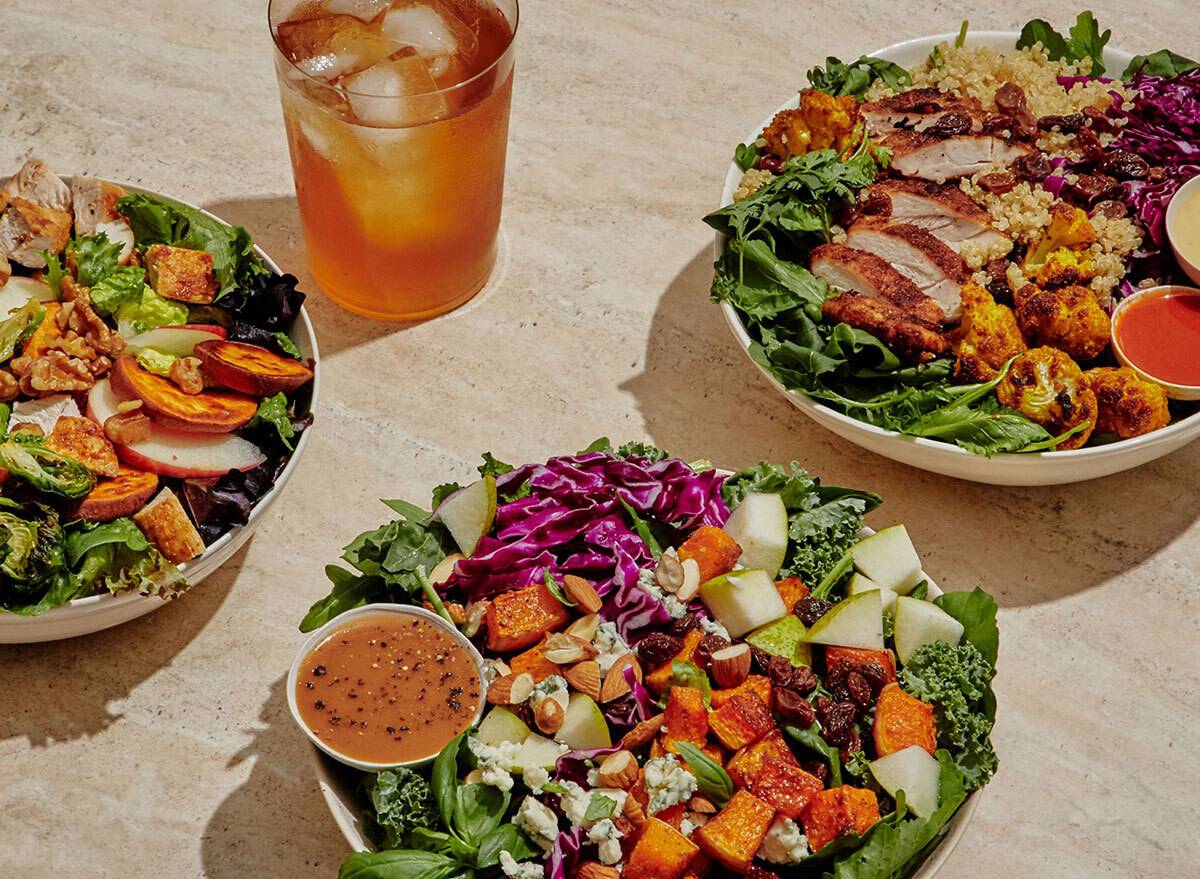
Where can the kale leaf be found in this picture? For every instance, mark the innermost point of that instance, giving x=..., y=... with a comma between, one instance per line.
x=402, y=800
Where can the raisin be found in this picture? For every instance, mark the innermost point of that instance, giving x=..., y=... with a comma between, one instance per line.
x=1089, y=144
x=852, y=746
x=1010, y=100
x=769, y=163
x=1033, y=166
x=848, y=214
x=950, y=124
x=998, y=182
x=804, y=680
x=860, y=690
x=686, y=623
x=1072, y=122
x=998, y=124
x=809, y=609
x=1157, y=174
x=1087, y=189
x=779, y=670
x=794, y=707
x=709, y=645
x=816, y=768
x=1112, y=209
x=838, y=727
x=1100, y=121
x=761, y=658
x=873, y=674
x=1123, y=163
x=658, y=649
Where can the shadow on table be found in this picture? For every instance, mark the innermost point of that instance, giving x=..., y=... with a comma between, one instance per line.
x=62, y=690
x=277, y=816
x=701, y=396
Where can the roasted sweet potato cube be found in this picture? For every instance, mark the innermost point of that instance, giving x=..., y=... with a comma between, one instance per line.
x=745, y=765
x=48, y=330
x=181, y=274
x=902, y=721
x=852, y=656
x=714, y=551
x=786, y=787
x=656, y=680
x=534, y=662
x=760, y=684
x=168, y=406
x=122, y=495
x=521, y=617
x=662, y=852
x=734, y=835
x=791, y=590
x=84, y=440
x=830, y=813
x=686, y=716
x=741, y=721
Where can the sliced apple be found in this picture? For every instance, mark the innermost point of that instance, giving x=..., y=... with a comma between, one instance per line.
x=759, y=524
x=500, y=726
x=856, y=621
x=784, y=637
x=537, y=751
x=889, y=559
x=19, y=291
x=921, y=622
x=743, y=600
x=860, y=583
x=469, y=513
x=913, y=771
x=583, y=726
x=179, y=341
x=215, y=329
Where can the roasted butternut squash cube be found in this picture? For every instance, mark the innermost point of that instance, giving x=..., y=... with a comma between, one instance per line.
x=733, y=836
x=760, y=684
x=47, y=331
x=534, y=663
x=714, y=551
x=786, y=787
x=521, y=617
x=852, y=656
x=746, y=764
x=791, y=590
x=741, y=721
x=656, y=680
x=181, y=274
x=838, y=810
x=662, y=852
x=902, y=721
x=686, y=717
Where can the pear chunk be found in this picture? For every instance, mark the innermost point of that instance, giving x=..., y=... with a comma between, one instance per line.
x=501, y=726
x=916, y=773
x=584, y=726
x=743, y=600
x=469, y=513
x=759, y=524
x=889, y=559
x=921, y=622
x=856, y=621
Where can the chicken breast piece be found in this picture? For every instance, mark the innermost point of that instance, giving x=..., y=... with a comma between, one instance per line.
x=95, y=202
x=27, y=227
x=917, y=109
x=37, y=183
x=926, y=261
x=910, y=339
x=917, y=154
x=5, y=270
x=943, y=210
x=860, y=272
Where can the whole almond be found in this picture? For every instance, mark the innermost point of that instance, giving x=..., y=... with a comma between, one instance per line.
x=731, y=665
x=643, y=733
x=510, y=689
x=668, y=573
x=615, y=685
x=585, y=627
x=634, y=812
x=596, y=870
x=691, y=581
x=582, y=593
x=549, y=716
x=701, y=805
x=564, y=649
x=584, y=677
x=618, y=770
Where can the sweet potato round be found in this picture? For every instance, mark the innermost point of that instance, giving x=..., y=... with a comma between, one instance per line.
x=206, y=412
x=123, y=495
x=250, y=368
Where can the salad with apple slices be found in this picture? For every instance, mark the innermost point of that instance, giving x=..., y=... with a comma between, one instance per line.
x=150, y=395
x=690, y=673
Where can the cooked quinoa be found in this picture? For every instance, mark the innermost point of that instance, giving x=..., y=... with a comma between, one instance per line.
x=1021, y=213
x=751, y=182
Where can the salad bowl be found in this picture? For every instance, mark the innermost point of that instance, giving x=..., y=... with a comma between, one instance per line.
x=1028, y=468
x=83, y=616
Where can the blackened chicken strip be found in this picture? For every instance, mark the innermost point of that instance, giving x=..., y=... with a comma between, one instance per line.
x=911, y=339
x=943, y=210
x=860, y=272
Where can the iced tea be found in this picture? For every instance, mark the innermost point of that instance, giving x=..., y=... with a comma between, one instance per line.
x=397, y=122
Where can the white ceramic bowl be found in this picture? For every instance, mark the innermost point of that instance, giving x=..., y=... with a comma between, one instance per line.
x=1174, y=391
x=94, y=613
x=1035, y=468
x=1191, y=269
x=339, y=785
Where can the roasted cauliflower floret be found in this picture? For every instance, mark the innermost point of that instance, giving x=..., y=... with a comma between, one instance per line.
x=987, y=338
x=1068, y=318
x=1128, y=404
x=1064, y=267
x=820, y=122
x=1048, y=388
x=1069, y=227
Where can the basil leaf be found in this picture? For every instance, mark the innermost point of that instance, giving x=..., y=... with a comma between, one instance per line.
x=444, y=780
x=478, y=810
x=443, y=843
x=811, y=739
x=505, y=838
x=688, y=674
x=712, y=779
x=400, y=865
x=599, y=807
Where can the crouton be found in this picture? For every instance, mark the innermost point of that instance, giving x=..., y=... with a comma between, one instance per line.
x=83, y=440
x=748, y=762
x=786, y=787
x=902, y=721
x=741, y=721
x=713, y=550
x=686, y=717
x=732, y=837
x=846, y=658
x=181, y=274
x=27, y=228
x=791, y=590
x=164, y=522
x=760, y=684
x=830, y=813
x=656, y=680
x=662, y=852
x=521, y=617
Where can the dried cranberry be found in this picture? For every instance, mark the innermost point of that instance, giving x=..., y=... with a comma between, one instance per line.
x=1100, y=121
x=1112, y=209
x=709, y=645
x=950, y=124
x=769, y=163
x=1033, y=166
x=1123, y=163
x=1089, y=144
x=817, y=768
x=1087, y=189
x=686, y=623
x=1073, y=122
x=998, y=182
x=794, y=707
x=877, y=203
x=658, y=649
x=809, y=609
x=860, y=690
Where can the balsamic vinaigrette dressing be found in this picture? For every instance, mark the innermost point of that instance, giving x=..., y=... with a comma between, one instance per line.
x=388, y=689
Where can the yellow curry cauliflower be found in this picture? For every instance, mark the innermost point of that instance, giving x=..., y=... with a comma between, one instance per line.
x=1068, y=318
x=1064, y=267
x=1048, y=388
x=820, y=122
x=1069, y=228
x=987, y=338
x=1128, y=405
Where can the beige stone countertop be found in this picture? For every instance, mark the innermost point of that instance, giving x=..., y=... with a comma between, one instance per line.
x=164, y=748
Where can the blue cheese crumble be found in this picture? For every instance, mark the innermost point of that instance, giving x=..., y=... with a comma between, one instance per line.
x=785, y=842
x=526, y=870
x=538, y=822
x=667, y=783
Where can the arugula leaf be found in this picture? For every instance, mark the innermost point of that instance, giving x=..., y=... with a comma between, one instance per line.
x=711, y=778
x=746, y=155
x=400, y=865
x=1161, y=63
x=1085, y=41
x=505, y=838
x=811, y=738
x=838, y=78
x=287, y=345
x=643, y=529
x=599, y=807
x=556, y=590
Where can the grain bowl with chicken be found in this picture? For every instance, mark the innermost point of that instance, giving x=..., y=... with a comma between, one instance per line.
x=150, y=393
x=936, y=251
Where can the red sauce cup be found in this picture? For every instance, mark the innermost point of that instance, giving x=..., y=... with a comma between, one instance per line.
x=1156, y=333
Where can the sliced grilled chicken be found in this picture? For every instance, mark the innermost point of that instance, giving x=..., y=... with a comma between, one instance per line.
x=27, y=227
x=944, y=210
x=95, y=202
x=918, y=154
x=917, y=109
x=38, y=184
x=860, y=272
x=916, y=254
x=909, y=338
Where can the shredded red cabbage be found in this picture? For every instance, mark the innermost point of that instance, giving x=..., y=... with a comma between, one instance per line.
x=565, y=855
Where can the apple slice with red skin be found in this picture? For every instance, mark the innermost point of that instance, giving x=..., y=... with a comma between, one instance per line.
x=168, y=406
x=215, y=329
x=173, y=452
x=251, y=369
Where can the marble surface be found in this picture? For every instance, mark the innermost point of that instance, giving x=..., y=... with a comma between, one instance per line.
x=164, y=747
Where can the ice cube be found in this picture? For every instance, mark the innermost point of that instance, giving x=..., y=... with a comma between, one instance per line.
x=307, y=37
x=395, y=92
x=364, y=10
x=438, y=36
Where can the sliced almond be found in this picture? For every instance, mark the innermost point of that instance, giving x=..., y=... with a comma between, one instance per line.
x=668, y=573
x=691, y=581
x=476, y=614
x=510, y=689
x=615, y=686
x=585, y=627
x=643, y=733
x=582, y=593
x=549, y=716
x=731, y=665
x=475, y=776
x=584, y=677
x=618, y=770
x=564, y=649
